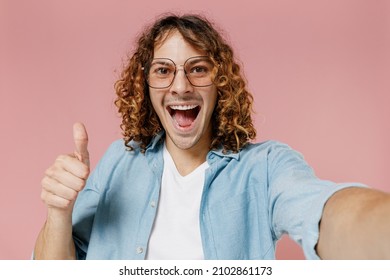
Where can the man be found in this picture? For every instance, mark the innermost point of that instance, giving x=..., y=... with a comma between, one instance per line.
x=187, y=183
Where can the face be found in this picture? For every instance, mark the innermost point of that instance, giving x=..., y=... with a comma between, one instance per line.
x=184, y=110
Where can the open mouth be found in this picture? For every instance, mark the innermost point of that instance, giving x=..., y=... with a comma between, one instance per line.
x=184, y=115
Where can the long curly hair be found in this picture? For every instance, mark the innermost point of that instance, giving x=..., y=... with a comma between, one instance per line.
x=232, y=121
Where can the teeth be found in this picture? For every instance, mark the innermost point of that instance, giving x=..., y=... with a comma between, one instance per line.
x=183, y=107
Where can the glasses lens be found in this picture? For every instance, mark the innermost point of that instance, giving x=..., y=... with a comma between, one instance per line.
x=199, y=71
x=161, y=73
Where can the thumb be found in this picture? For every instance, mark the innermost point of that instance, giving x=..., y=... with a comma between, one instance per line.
x=80, y=138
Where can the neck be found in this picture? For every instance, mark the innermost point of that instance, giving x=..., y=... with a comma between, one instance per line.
x=187, y=160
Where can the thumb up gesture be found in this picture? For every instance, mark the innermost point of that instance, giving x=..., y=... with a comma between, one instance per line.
x=67, y=176
x=80, y=138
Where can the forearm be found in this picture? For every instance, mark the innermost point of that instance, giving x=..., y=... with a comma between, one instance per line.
x=356, y=225
x=55, y=240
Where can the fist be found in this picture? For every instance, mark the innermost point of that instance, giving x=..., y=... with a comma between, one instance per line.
x=67, y=176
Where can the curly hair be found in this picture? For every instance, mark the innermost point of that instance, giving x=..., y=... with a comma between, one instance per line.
x=232, y=121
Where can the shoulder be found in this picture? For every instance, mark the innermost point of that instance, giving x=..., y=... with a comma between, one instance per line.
x=116, y=155
x=116, y=150
x=266, y=145
x=118, y=146
x=275, y=155
x=259, y=150
x=270, y=149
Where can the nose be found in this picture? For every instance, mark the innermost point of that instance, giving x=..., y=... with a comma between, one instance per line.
x=180, y=83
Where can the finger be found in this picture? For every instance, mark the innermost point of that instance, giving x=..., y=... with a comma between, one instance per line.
x=56, y=188
x=80, y=138
x=66, y=178
x=70, y=164
x=52, y=200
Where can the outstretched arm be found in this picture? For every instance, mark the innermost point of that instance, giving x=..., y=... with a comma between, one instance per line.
x=355, y=225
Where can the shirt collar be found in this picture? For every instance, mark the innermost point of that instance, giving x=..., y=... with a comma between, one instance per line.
x=155, y=141
x=229, y=154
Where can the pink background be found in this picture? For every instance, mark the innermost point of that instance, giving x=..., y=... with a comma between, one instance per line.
x=319, y=71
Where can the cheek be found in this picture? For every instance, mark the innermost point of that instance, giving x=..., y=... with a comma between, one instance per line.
x=212, y=100
x=156, y=102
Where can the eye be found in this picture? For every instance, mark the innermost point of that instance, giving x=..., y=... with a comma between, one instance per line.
x=161, y=70
x=199, y=69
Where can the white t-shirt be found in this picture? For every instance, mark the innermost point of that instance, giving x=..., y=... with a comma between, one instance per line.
x=176, y=233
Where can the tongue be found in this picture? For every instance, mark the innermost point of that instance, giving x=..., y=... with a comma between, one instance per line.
x=184, y=118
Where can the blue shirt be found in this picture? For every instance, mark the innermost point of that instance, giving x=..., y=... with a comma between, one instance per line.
x=250, y=199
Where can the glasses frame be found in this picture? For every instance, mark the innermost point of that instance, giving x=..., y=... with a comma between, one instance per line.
x=146, y=70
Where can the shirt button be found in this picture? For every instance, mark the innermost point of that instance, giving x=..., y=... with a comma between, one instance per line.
x=139, y=250
x=153, y=204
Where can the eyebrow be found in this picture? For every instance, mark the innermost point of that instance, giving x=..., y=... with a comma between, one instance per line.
x=161, y=61
x=197, y=59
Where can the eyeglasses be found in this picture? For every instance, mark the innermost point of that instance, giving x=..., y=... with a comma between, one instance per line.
x=162, y=72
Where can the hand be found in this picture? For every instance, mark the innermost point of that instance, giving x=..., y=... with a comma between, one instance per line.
x=67, y=176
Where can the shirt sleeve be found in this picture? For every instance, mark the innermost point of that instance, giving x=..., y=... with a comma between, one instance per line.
x=297, y=197
x=83, y=215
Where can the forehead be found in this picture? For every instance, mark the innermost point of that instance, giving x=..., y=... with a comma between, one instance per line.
x=173, y=45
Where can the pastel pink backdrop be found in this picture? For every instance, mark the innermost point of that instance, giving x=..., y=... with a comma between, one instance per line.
x=319, y=71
